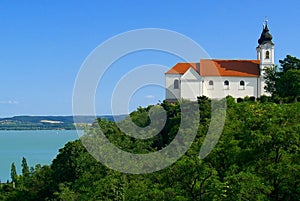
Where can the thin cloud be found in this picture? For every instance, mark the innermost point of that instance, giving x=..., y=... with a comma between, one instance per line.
x=9, y=102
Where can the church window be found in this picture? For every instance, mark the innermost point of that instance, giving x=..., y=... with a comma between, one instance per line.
x=267, y=55
x=226, y=84
x=211, y=84
x=242, y=84
x=176, y=84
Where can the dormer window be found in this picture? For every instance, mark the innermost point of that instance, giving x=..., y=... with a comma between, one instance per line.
x=267, y=55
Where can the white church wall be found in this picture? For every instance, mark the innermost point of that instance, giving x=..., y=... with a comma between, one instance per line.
x=190, y=85
x=171, y=92
x=219, y=90
x=191, y=74
x=190, y=89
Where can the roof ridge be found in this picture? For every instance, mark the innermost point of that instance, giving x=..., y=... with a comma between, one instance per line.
x=187, y=62
x=219, y=67
x=230, y=59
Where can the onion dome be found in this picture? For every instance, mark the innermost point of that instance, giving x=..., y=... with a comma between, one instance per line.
x=265, y=36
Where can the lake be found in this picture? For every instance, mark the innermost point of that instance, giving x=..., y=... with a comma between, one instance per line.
x=37, y=146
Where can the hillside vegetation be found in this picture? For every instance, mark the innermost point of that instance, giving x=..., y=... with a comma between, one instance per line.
x=256, y=158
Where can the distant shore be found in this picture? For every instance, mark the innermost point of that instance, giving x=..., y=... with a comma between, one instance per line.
x=51, y=122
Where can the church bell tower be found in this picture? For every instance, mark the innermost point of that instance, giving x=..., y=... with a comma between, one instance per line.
x=265, y=53
x=265, y=49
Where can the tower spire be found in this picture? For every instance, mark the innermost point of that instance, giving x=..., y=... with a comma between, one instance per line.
x=266, y=21
x=265, y=36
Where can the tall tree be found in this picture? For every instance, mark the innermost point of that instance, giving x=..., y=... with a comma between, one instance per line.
x=13, y=173
x=25, y=167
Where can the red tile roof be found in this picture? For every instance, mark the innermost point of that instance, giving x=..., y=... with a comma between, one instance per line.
x=243, y=68
x=181, y=68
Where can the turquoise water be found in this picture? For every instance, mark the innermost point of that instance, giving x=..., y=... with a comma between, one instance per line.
x=37, y=146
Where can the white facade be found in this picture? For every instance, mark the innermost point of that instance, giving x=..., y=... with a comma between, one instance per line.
x=237, y=87
x=173, y=92
x=190, y=85
x=212, y=87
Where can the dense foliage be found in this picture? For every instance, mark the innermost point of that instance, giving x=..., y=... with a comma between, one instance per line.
x=284, y=82
x=256, y=158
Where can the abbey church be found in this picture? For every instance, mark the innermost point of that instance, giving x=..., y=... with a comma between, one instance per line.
x=217, y=79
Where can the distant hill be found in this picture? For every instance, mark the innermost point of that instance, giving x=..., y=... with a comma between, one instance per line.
x=50, y=122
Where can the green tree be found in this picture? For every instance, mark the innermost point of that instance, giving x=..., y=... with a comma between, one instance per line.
x=13, y=173
x=289, y=63
x=25, y=167
x=289, y=84
x=245, y=186
x=284, y=82
x=66, y=194
x=64, y=165
x=271, y=143
x=271, y=77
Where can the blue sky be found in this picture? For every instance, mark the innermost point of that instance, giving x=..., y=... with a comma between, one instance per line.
x=44, y=43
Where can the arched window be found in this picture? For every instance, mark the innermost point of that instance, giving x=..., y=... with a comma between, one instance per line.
x=267, y=55
x=242, y=85
x=226, y=84
x=176, y=84
x=210, y=85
